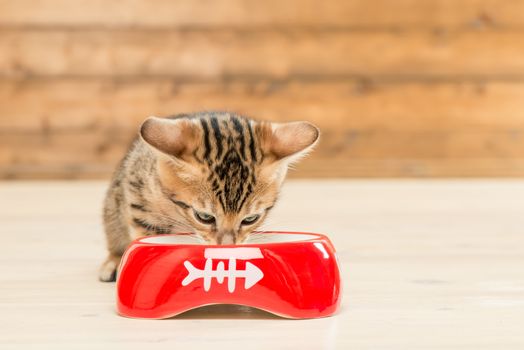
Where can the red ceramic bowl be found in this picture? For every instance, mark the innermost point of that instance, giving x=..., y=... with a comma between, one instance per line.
x=291, y=274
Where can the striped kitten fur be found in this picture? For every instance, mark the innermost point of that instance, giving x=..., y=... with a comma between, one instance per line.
x=213, y=174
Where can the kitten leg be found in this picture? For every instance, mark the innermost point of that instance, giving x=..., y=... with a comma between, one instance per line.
x=117, y=233
x=107, y=272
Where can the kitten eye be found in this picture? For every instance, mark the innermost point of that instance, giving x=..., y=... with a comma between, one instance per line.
x=204, y=218
x=251, y=219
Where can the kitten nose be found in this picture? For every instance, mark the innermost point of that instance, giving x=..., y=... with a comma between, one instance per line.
x=227, y=237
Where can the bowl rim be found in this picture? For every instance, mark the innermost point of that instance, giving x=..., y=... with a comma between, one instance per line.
x=313, y=237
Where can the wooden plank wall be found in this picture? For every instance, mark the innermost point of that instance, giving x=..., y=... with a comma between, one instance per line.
x=399, y=88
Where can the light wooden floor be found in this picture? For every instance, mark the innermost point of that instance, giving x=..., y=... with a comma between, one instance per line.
x=426, y=265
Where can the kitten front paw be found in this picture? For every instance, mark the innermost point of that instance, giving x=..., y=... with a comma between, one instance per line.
x=107, y=272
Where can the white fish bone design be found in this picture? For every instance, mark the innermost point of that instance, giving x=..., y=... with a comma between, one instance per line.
x=252, y=273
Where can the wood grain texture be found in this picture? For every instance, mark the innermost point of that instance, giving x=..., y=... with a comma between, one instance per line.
x=253, y=13
x=94, y=153
x=399, y=88
x=278, y=54
x=64, y=104
x=368, y=128
x=425, y=265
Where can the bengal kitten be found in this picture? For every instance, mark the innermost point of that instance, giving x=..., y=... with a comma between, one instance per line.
x=212, y=174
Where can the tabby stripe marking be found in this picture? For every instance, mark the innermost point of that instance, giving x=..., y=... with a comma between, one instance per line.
x=218, y=136
x=240, y=130
x=180, y=204
x=220, y=196
x=207, y=144
x=139, y=184
x=149, y=227
x=251, y=143
x=247, y=193
x=138, y=207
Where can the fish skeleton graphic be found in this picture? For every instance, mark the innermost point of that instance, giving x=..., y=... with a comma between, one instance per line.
x=252, y=274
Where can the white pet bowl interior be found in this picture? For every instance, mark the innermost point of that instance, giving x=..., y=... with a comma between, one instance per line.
x=257, y=238
x=260, y=238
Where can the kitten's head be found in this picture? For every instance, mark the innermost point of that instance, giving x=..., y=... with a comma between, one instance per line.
x=221, y=172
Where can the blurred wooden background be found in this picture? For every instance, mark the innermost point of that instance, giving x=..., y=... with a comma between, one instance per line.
x=399, y=88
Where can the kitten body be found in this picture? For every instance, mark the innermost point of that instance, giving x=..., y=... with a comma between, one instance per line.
x=214, y=174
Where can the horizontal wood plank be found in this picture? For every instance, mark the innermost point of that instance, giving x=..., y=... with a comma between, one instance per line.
x=219, y=54
x=94, y=153
x=69, y=104
x=250, y=13
x=80, y=128
x=325, y=167
x=316, y=167
x=108, y=145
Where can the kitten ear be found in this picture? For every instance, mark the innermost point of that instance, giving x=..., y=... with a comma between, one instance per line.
x=173, y=137
x=292, y=141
